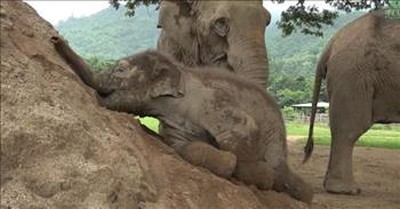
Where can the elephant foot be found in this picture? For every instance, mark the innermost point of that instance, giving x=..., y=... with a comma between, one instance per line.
x=258, y=173
x=219, y=162
x=337, y=186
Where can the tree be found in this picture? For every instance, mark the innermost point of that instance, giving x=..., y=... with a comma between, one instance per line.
x=307, y=19
x=310, y=19
x=132, y=4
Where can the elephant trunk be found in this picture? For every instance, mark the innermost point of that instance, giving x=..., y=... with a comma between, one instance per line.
x=78, y=65
x=249, y=59
x=289, y=182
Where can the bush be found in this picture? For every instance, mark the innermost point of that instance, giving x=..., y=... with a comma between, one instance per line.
x=289, y=114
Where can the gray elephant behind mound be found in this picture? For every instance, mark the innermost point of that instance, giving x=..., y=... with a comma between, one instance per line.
x=212, y=118
x=361, y=66
x=226, y=33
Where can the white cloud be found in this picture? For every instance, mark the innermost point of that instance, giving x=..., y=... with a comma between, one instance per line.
x=55, y=11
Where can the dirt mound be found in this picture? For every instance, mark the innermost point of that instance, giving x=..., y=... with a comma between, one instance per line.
x=61, y=149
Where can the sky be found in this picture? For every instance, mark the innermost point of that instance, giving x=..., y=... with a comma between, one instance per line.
x=55, y=11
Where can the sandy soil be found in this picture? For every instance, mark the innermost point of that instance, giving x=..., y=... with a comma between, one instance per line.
x=377, y=170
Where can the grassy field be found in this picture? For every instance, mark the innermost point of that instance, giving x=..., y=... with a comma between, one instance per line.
x=386, y=136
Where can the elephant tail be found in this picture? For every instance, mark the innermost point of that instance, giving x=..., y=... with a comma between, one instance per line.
x=319, y=76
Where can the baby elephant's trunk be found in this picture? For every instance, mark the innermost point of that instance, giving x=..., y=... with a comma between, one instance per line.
x=79, y=66
x=290, y=183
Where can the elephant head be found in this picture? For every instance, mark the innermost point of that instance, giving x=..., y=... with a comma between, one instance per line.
x=223, y=33
x=133, y=83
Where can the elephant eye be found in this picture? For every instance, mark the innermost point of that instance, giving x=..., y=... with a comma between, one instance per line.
x=221, y=26
x=121, y=66
x=119, y=69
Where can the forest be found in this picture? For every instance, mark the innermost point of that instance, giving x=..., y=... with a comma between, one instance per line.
x=110, y=34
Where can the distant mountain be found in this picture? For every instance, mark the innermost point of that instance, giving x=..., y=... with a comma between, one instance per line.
x=109, y=34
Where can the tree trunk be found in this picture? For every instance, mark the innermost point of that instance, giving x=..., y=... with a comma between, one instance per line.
x=60, y=149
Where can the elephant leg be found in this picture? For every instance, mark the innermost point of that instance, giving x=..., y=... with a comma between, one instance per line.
x=221, y=163
x=350, y=117
x=199, y=152
x=257, y=173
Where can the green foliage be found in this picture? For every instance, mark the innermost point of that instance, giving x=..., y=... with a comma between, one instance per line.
x=131, y=5
x=310, y=19
x=289, y=114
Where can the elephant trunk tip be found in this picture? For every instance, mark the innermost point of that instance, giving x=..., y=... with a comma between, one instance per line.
x=308, y=149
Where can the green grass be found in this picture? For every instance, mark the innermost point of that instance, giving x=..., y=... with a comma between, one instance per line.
x=378, y=136
x=150, y=122
x=386, y=136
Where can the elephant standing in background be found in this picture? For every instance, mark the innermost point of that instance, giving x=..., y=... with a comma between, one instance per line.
x=226, y=33
x=361, y=65
x=215, y=119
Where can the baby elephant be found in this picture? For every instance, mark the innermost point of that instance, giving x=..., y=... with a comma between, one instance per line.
x=207, y=114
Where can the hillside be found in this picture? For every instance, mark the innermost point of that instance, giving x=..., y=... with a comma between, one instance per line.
x=109, y=34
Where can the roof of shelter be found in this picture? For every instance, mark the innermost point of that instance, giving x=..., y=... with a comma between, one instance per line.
x=319, y=104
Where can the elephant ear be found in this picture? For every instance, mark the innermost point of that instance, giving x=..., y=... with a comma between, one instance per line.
x=168, y=81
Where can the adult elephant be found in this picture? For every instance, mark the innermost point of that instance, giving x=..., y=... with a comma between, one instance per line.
x=229, y=34
x=361, y=65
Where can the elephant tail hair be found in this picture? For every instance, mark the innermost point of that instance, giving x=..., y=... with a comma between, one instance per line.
x=319, y=76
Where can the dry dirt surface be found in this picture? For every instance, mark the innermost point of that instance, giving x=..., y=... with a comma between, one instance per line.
x=377, y=170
